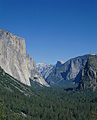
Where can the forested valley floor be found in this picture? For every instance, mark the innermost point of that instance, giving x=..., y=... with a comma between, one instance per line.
x=48, y=104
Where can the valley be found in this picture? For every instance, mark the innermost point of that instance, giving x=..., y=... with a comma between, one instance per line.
x=64, y=91
x=47, y=104
x=48, y=59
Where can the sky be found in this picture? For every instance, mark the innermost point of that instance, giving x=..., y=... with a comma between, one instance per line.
x=53, y=29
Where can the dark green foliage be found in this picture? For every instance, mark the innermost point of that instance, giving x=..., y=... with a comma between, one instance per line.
x=35, y=84
x=44, y=103
x=50, y=104
x=2, y=115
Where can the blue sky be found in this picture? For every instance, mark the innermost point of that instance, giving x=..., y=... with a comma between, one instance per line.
x=53, y=29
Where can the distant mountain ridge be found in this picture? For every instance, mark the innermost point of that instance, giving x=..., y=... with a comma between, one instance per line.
x=16, y=61
x=68, y=73
x=46, y=69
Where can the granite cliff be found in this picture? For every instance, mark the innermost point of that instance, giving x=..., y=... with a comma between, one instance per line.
x=16, y=61
x=68, y=73
x=88, y=78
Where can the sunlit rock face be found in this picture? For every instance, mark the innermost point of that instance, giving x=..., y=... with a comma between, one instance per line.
x=16, y=61
x=68, y=73
x=46, y=69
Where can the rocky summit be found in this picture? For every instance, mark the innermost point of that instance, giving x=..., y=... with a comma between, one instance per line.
x=68, y=74
x=16, y=61
x=59, y=63
x=88, y=77
x=46, y=69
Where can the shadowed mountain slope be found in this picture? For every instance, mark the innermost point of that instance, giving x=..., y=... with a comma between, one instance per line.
x=65, y=74
x=88, y=77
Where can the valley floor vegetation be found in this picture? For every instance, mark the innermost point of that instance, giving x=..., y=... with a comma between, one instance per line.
x=48, y=104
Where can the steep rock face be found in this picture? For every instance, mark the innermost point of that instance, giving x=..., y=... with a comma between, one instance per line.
x=88, y=77
x=46, y=69
x=12, y=85
x=59, y=63
x=66, y=73
x=14, y=59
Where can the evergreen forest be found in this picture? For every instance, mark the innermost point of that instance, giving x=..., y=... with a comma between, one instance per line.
x=20, y=102
x=49, y=104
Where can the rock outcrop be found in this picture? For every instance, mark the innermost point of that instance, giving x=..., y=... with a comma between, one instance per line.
x=59, y=63
x=15, y=61
x=68, y=73
x=88, y=77
x=46, y=69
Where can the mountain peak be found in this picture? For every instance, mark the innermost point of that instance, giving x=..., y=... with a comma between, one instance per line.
x=59, y=63
x=93, y=53
x=46, y=69
x=5, y=33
